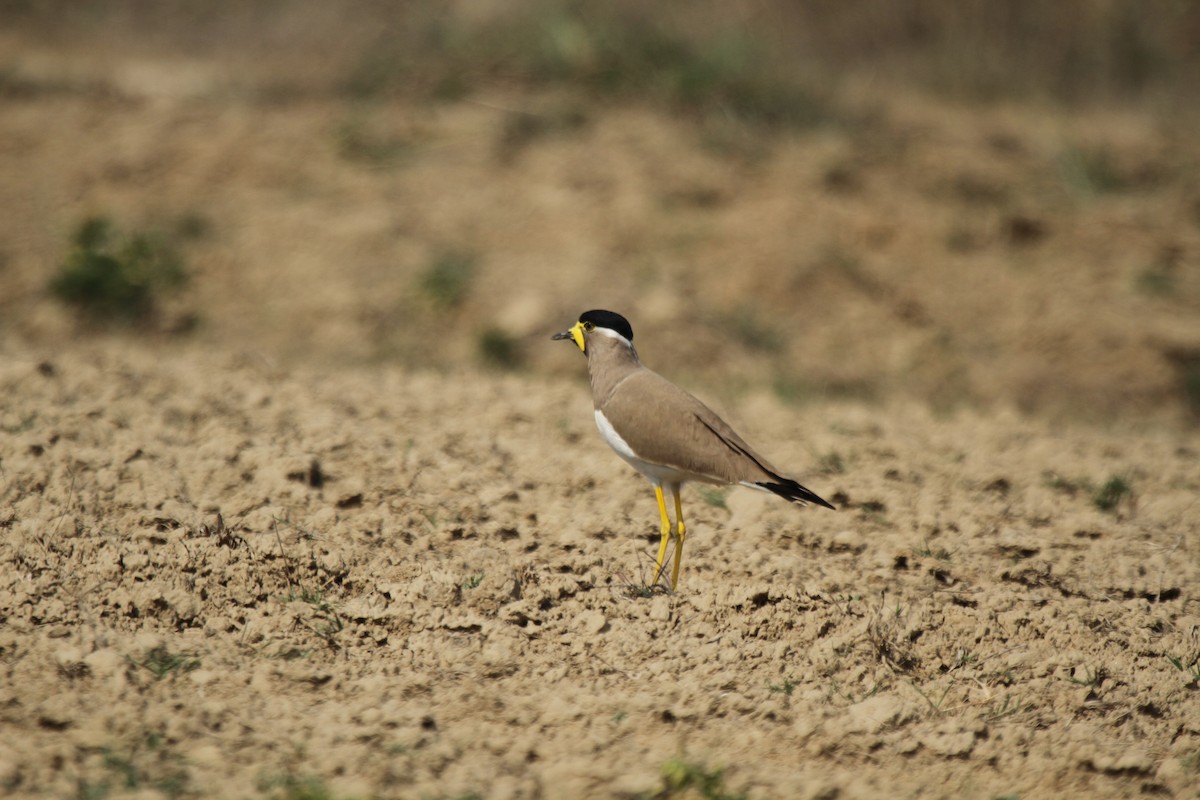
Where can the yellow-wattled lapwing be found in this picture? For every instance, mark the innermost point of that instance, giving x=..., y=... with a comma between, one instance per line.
x=663, y=432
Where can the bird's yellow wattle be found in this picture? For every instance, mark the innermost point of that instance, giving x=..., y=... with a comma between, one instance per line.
x=577, y=335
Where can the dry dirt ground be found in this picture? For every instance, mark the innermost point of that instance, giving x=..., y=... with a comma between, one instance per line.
x=429, y=586
x=296, y=537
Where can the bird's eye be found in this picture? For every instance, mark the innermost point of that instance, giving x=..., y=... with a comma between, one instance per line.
x=588, y=326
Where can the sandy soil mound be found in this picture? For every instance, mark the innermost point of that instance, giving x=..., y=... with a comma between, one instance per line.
x=223, y=578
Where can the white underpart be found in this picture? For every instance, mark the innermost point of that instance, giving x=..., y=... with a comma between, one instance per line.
x=658, y=474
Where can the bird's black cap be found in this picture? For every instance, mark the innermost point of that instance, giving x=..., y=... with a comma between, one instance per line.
x=610, y=320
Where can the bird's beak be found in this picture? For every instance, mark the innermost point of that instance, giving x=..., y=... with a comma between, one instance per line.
x=575, y=332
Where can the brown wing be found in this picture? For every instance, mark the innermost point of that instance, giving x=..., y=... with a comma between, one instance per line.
x=666, y=425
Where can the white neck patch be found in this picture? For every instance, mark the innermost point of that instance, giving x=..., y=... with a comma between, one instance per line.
x=613, y=334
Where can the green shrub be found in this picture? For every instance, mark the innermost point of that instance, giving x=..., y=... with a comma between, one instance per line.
x=109, y=276
x=608, y=50
x=500, y=349
x=1110, y=495
x=681, y=778
x=448, y=279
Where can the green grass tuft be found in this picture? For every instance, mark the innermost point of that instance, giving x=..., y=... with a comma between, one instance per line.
x=1088, y=677
x=1190, y=380
x=1110, y=495
x=523, y=128
x=1090, y=173
x=357, y=143
x=111, y=276
x=327, y=623
x=787, y=687
x=500, y=349
x=1188, y=665
x=146, y=766
x=682, y=778
x=747, y=326
x=447, y=281
x=1158, y=280
x=831, y=463
x=926, y=551
x=161, y=662
x=295, y=787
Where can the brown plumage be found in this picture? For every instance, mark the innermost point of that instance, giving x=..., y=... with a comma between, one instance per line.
x=664, y=432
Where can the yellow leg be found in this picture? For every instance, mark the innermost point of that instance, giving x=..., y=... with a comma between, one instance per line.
x=679, y=537
x=666, y=534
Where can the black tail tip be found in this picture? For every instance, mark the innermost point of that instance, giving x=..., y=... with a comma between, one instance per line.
x=790, y=490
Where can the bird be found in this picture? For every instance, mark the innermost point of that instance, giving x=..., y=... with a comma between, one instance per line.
x=664, y=432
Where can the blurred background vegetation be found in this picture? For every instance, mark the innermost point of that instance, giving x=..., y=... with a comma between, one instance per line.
x=759, y=58
x=967, y=202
